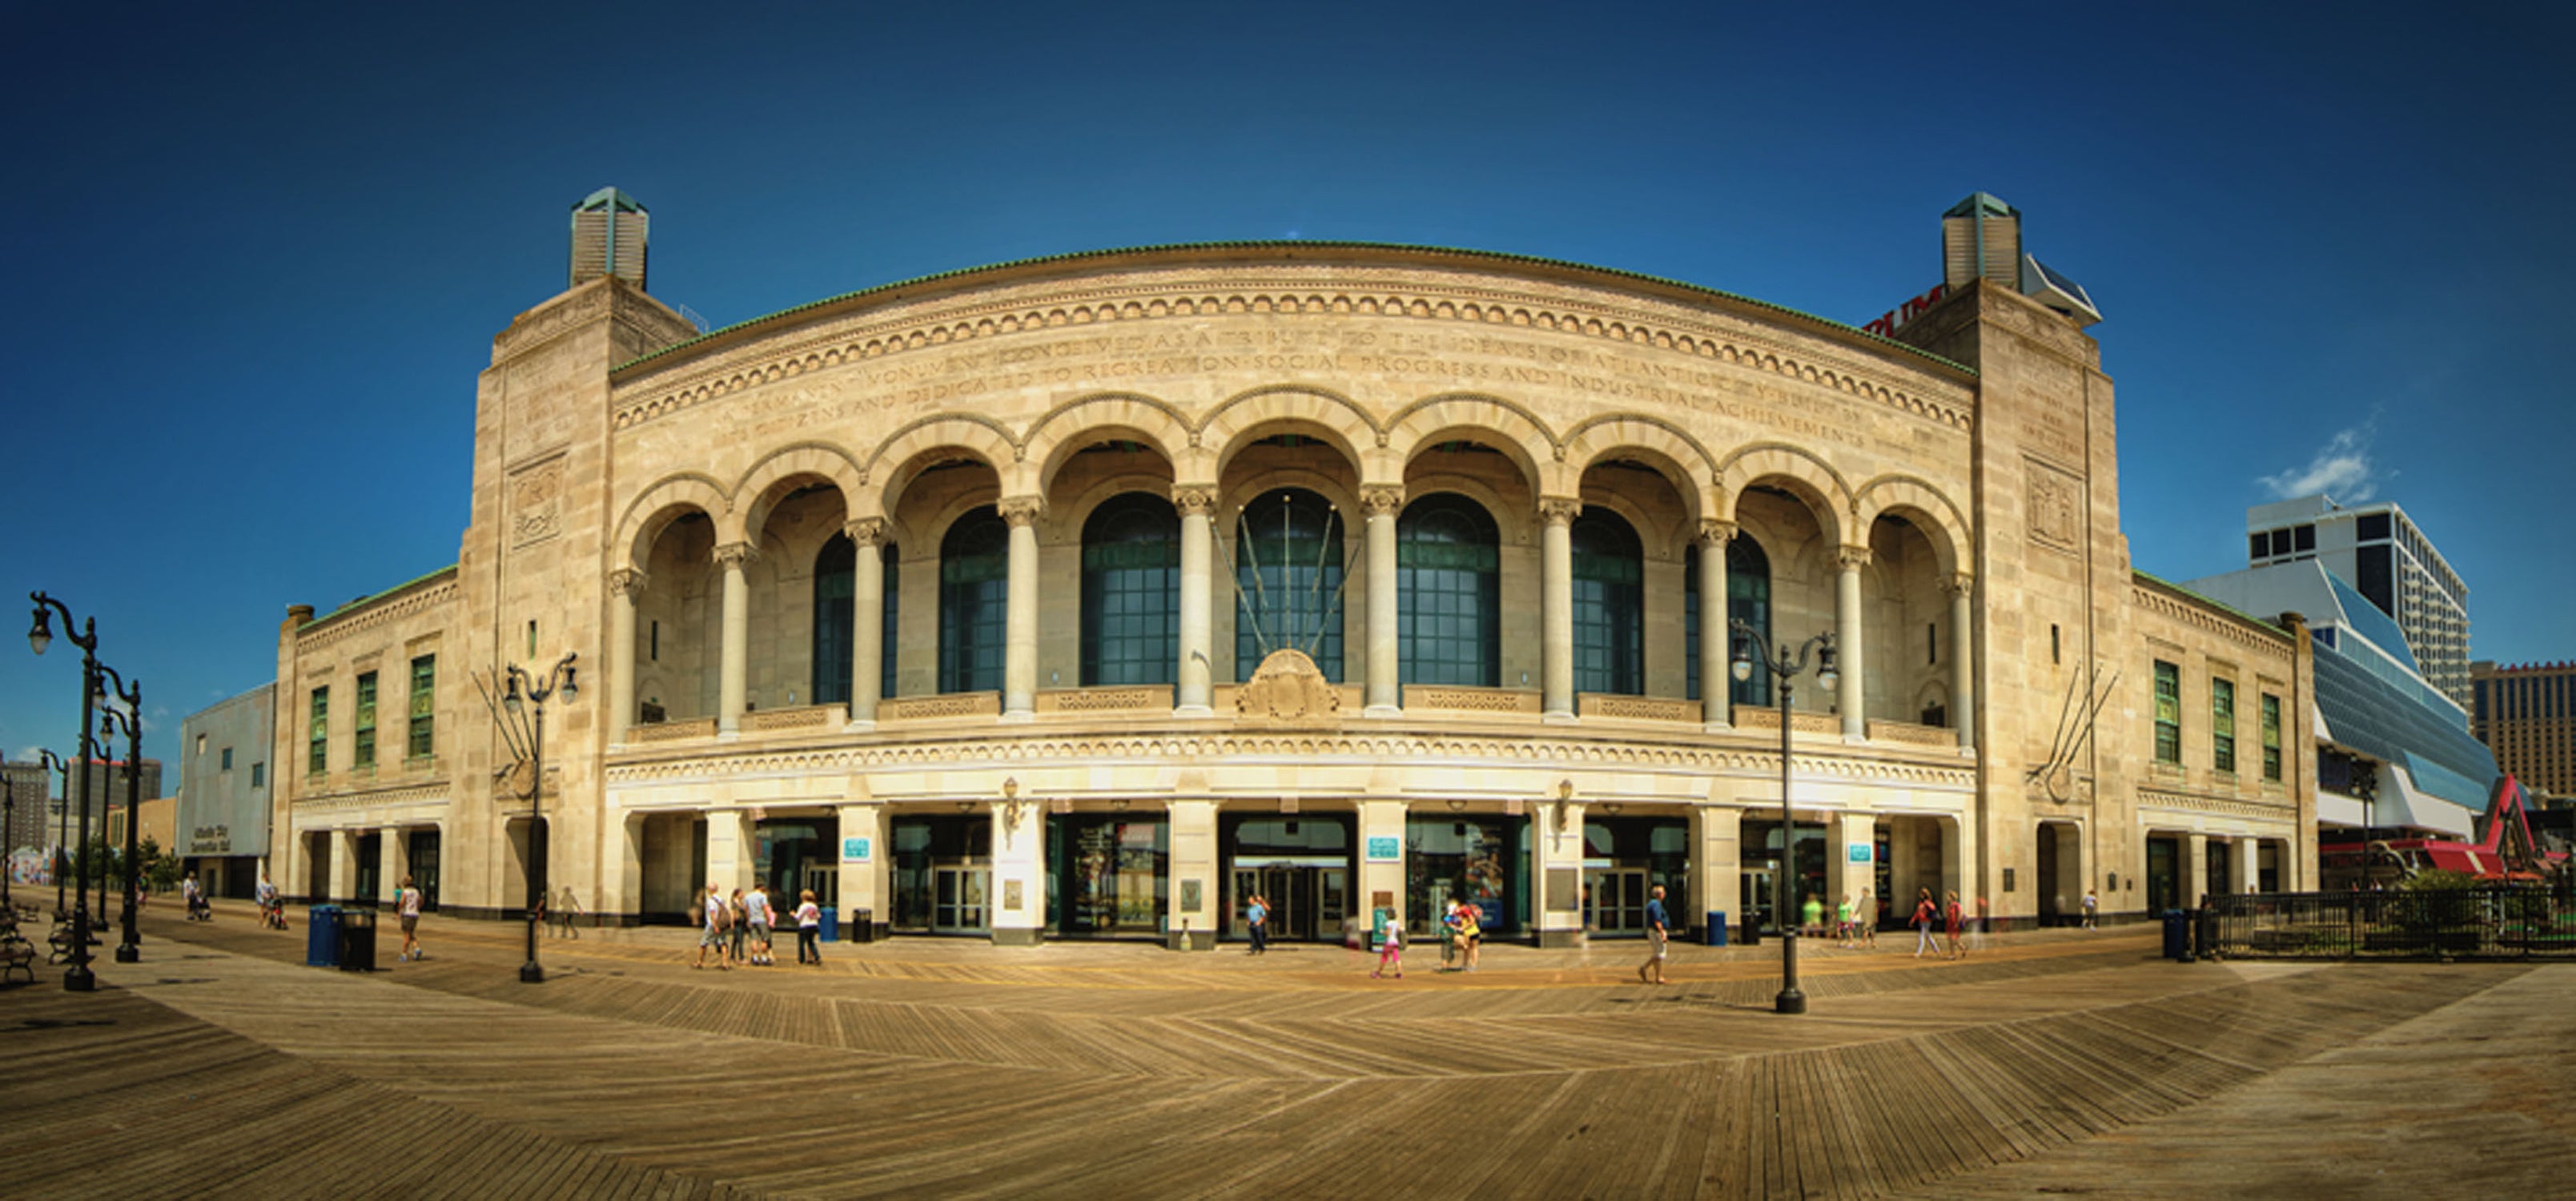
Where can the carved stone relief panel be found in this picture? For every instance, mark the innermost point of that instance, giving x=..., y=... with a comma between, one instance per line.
x=536, y=503
x=2054, y=503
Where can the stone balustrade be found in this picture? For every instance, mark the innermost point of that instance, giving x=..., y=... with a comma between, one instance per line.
x=952, y=704
x=672, y=731
x=1453, y=698
x=1637, y=708
x=803, y=717
x=1910, y=734
x=1749, y=717
x=1136, y=698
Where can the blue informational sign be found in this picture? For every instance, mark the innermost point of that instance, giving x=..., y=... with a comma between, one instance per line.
x=1857, y=852
x=854, y=849
x=1385, y=850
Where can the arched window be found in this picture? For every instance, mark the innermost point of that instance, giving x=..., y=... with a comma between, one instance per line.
x=1609, y=604
x=835, y=585
x=974, y=602
x=886, y=645
x=1131, y=591
x=1448, y=583
x=1288, y=570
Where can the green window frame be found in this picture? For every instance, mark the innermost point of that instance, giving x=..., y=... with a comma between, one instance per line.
x=974, y=602
x=1449, y=593
x=421, y=730
x=2222, y=724
x=1131, y=592
x=1288, y=568
x=1609, y=604
x=363, y=755
x=2168, y=713
x=317, y=733
x=2271, y=738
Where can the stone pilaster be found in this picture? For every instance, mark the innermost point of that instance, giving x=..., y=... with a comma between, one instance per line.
x=866, y=890
x=1194, y=877
x=1556, y=607
x=1195, y=695
x=1382, y=695
x=624, y=586
x=1716, y=866
x=1557, y=849
x=1963, y=709
x=1019, y=874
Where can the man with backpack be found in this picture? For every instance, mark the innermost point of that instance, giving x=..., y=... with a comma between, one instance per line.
x=711, y=927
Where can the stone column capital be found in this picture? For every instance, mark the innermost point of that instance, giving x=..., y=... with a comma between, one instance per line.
x=1018, y=511
x=1959, y=583
x=1715, y=534
x=626, y=582
x=1559, y=510
x=868, y=532
x=734, y=556
x=1194, y=500
x=1851, y=558
x=1381, y=500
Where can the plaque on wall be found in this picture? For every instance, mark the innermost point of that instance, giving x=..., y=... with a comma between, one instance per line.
x=854, y=850
x=1564, y=890
x=1190, y=895
x=1011, y=895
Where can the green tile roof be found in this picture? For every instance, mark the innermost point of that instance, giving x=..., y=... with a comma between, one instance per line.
x=1268, y=244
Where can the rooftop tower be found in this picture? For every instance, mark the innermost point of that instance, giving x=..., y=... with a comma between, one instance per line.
x=608, y=238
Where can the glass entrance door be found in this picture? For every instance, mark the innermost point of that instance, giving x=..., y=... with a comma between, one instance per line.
x=957, y=900
x=1306, y=902
x=1759, y=893
x=1614, y=900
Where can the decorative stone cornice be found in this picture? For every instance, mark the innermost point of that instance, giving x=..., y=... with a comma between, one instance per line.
x=322, y=634
x=2268, y=641
x=1559, y=510
x=1018, y=511
x=1194, y=500
x=1715, y=534
x=1381, y=500
x=868, y=532
x=734, y=556
x=626, y=582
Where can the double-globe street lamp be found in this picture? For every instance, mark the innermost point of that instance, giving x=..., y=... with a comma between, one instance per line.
x=1785, y=666
x=526, y=690
x=131, y=950
x=84, y=634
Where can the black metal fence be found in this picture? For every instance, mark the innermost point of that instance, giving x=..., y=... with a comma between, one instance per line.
x=2468, y=923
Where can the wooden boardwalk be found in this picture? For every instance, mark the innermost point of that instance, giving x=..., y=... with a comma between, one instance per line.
x=938, y=1069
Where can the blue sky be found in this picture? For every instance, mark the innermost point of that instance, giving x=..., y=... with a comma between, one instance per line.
x=256, y=254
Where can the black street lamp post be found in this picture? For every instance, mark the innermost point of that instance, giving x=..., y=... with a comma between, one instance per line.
x=62, y=824
x=8, y=836
x=536, y=692
x=131, y=950
x=76, y=978
x=1784, y=667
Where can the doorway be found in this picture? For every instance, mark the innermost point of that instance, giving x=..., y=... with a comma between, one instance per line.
x=1303, y=864
x=1307, y=902
x=1614, y=900
x=943, y=874
x=424, y=868
x=958, y=900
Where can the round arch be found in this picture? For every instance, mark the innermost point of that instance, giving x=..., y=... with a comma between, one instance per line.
x=1084, y=420
x=1289, y=408
x=1922, y=505
x=900, y=458
x=778, y=473
x=1795, y=471
x=1660, y=444
x=658, y=506
x=1476, y=417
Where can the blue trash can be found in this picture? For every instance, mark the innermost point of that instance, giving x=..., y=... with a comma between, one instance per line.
x=1716, y=927
x=322, y=936
x=831, y=931
x=2177, y=935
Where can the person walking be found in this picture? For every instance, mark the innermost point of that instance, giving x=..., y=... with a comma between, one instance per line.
x=1658, y=939
x=758, y=919
x=1868, y=917
x=407, y=908
x=1812, y=916
x=1453, y=945
x=1256, y=912
x=1926, y=916
x=1390, y=949
x=568, y=913
x=735, y=929
x=1843, y=921
x=711, y=926
x=2092, y=907
x=1953, y=917
x=809, y=929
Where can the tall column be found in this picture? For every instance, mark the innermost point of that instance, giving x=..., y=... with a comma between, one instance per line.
x=867, y=635
x=1846, y=877
x=2246, y=872
x=1716, y=867
x=1714, y=636
x=620, y=901
x=1556, y=607
x=866, y=873
x=1195, y=920
x=732, y=849
x=344, y=865
x=1018, y=898
x=1381, y=875
x=2196, y=877
x=1020, y=654
x=1196, y=694
x=734, y=676
x=1847, y=640
x=1963, y=688
x=624, y=585
x=1558, y=849
x=1384, y=694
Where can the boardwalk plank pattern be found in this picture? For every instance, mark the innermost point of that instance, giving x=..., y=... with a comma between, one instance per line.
x=230, y=1069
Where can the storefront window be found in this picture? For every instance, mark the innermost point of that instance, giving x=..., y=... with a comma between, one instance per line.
x=1762, y=860
x=942, y=873
x=1483, y=859
x=1624, y=861
x=1107, y=874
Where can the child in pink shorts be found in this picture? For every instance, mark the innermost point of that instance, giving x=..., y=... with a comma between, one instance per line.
x=1390, y=950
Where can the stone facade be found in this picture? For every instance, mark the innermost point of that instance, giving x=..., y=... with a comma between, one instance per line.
x=686, y=512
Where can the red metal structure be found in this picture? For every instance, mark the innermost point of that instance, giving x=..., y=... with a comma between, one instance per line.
x=2505, y=851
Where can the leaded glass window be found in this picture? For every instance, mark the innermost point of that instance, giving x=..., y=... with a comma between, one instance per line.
x=836, y=582
x=1449, y=593
x=893, y=595
x=1131, y=591
x=1748, y=600
x=1288, y=569
x=317, y=734
x=422, y=733
x=2271, y=737
x=974, y=603
x=2222, y=724
x=1609, y=604
x=2168, y=713
x=364, y=756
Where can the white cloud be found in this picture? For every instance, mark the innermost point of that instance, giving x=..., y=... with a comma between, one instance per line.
x=2342, y=468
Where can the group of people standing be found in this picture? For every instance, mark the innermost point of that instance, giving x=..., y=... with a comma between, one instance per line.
x=737, y=927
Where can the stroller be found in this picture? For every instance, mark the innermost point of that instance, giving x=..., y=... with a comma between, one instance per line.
x=199, y=908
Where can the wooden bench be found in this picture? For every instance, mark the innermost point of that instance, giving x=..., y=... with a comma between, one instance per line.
x=17, y=955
